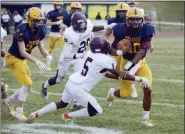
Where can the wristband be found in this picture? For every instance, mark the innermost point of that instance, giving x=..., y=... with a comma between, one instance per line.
x=129, y=66
x=119, y=52
x=138, y=79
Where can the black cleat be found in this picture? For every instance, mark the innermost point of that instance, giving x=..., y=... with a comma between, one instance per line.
x=44, y=92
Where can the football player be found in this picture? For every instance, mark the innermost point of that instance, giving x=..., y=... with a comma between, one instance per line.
x=134, y=46
x=77, y=37
x=27, y=36
x=76, y=7
x=4, y=87
x=96, y=65
x=55, y=19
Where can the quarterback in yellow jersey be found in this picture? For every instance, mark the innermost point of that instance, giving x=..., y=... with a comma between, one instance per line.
x=55, y=19
x=27, y=36
x=134, y=41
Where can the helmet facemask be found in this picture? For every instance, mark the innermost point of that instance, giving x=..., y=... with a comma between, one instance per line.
x=135, y=22
x=121, y=14
x=57, y=6
x=80, y=27
x=74, y=10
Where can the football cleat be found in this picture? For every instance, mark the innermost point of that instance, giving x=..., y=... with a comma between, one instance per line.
x=19, y=115
x=109, y=100
x=76, y=106
x=133, y=92
x=8, y=103
x=44, y=92
x=147, y=123
x=31, y=117
x=67, y=119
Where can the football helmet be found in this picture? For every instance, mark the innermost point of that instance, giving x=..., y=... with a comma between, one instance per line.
x=57, y=4
x=34, y=17
x=76, y=7
x=134, y=17
x=79, y=22
x=100, y=45
x=121, y=9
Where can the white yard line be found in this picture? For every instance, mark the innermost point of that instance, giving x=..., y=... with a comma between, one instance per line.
x=117, y=100
x=49, y=128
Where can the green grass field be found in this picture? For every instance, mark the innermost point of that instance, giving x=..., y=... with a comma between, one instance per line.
x=124, y=117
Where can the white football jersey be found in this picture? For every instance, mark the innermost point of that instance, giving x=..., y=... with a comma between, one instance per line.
x=79, y=41
x=3, y=34
x=94, y=69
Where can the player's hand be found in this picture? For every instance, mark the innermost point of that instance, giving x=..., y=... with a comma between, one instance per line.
x=42, y=66
x=122, y=74
x=59, y=22
x=110, y=27
x=145, y=82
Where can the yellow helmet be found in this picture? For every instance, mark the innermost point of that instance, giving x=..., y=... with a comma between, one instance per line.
x=58, y=2
x=76, y=5
x=122, y=6
x=34, y=17
x=121, y=10
x=135, y=17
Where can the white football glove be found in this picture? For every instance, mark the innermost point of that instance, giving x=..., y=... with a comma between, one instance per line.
x=145, y=82
x=42, y=66
x=59, y=22
x=110, y=26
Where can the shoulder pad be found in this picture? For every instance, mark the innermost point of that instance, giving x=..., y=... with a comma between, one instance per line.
x=89, y=25
x=119, y=31
x=148, y=29
x=68, y=36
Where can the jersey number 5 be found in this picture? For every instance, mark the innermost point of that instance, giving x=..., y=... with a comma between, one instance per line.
x=83, y=45
x=86, y=68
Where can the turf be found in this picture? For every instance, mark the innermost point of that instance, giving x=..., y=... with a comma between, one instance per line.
x=167, y=65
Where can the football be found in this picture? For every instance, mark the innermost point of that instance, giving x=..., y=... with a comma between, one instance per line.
x=124, y=45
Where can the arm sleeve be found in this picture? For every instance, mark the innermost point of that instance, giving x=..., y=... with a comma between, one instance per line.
x=48, y=15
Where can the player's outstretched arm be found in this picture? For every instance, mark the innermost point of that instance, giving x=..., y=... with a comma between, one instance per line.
x=42, y=49
x=124, y=75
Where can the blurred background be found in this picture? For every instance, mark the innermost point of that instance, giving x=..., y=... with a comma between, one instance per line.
x=167, y=16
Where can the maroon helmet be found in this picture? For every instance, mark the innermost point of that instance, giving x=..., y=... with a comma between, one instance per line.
x=79, y=22
x=100, y=45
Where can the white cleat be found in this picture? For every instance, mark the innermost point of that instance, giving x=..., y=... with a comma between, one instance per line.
x=31, y=117
x=20, y=116
x=109, y=100
x=134, y=93
x=8, y=103
x=147, y=123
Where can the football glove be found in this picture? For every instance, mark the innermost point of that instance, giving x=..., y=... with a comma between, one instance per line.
x=42, y=66
x=143, y=81
x=59, y=22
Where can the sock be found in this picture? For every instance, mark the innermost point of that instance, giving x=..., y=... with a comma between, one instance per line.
x=80, y=113
x=146, y=115
x=23, y=93
x=15, y=95
x=48, y=108
x=46, y=84
x=19, y=109
x=112, y=92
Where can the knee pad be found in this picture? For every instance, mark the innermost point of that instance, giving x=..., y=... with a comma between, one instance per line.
x=23, y=93
x=124, y=93
x=92, y=111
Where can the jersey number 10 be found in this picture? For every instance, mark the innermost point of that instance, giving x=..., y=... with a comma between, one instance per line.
x=83, y=45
